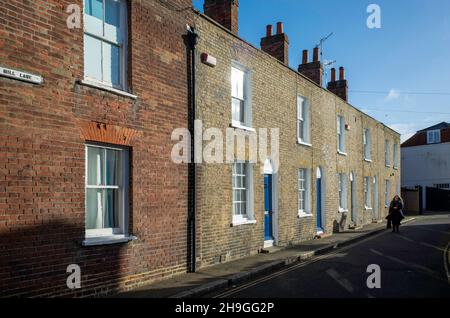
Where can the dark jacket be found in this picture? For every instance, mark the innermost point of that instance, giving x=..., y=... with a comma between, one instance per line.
x=396, y=212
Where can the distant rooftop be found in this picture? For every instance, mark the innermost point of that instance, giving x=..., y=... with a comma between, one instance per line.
x=436, y=127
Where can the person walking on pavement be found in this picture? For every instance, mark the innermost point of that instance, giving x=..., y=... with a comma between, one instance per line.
x=395, y=213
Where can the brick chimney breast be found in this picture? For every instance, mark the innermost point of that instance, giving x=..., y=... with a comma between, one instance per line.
x=276, y=45
x=338, y=87
x=312, y=70
x=224, y=12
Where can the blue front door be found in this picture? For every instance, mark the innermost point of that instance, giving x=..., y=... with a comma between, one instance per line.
x=319, y=205
x=268, y=232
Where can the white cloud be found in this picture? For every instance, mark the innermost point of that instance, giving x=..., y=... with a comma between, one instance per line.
x=393, y=95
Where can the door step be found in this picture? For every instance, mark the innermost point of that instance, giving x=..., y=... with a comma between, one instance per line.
x=268, y=250
x=268, y=244
x=355, y=227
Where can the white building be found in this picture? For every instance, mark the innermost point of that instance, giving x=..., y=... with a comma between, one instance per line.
x=426, y=159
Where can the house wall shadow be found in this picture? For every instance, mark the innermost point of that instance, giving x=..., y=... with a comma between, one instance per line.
x=34, y=261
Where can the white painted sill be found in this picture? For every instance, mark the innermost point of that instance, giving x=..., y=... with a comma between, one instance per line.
x=238, y=126
x=302, y=215
x=367, y=160
x=342, y=153
x=106, y=88
x=304, y=143
x=342, y=210
x=368, y=209
x=108, y=240
x=243, y=222
x=395, y=168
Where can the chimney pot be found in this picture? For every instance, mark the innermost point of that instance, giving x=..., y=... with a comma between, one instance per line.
x=305, y=57
x=280, y=28
x=341, y=73
x=333, y=75
x=316, y=54
x=269, y=29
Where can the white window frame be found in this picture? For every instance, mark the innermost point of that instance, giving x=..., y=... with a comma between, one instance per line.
x=395, y=150
x=304, y=117
x=342, y=192
x=248, y=218
x=341, y=134
x=247, y=98
x=304, y=192
x=387, y=153
x=387, y=193
x=367, y=193
x=123, y=47
x=122, y=229
x=367, y=145
x=433, y=136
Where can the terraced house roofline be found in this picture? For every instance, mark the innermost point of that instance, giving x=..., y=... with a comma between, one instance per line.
x=201, y=15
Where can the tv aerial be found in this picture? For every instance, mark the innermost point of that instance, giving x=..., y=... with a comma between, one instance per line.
x=327, y=64
x=322, y=41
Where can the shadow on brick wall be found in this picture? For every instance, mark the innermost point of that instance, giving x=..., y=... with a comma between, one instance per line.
x=34, y=261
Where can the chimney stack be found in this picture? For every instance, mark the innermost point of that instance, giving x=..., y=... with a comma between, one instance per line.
x=276, y=45
x=224, y=12
x=339, y=87
x=312, y=70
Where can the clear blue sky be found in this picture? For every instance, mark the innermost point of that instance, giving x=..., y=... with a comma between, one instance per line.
x=410, y=53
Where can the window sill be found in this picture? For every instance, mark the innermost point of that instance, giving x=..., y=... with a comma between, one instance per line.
x=108, y=240
x=304, y=143
x=238, y=126
x=106, y=88
x=367, y=160
x=343, y=210
x=342, y=153
x=388, y=166
x=243, y=222
x=367, y=208
x=304, y=215
x=395, y=168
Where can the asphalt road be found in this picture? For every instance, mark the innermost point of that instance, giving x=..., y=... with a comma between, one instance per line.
x=412, y=264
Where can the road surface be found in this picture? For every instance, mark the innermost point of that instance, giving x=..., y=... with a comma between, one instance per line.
x=412, y=263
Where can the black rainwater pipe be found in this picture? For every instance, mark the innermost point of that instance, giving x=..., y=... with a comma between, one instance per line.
x=192, y=40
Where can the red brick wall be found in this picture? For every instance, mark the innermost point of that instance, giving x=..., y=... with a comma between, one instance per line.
x=225, y=12
x=42, y=165
x=445, y=135
x=277, y=46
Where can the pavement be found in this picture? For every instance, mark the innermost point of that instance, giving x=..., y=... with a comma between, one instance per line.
x=215, y=279
x=411, y=264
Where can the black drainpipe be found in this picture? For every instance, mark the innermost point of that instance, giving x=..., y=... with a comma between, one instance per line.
x=192, y=40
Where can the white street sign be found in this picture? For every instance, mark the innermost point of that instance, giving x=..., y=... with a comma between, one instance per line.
x=22, y=76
